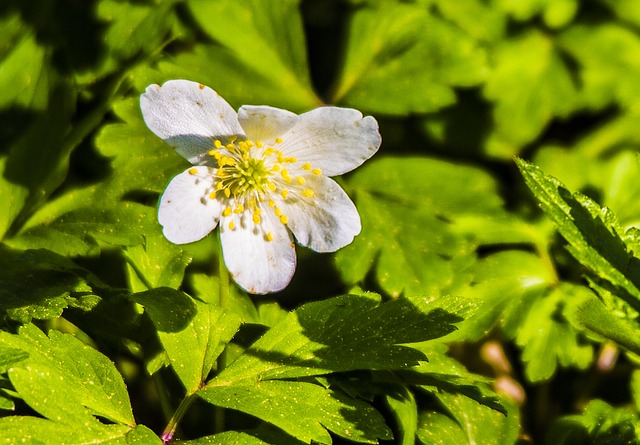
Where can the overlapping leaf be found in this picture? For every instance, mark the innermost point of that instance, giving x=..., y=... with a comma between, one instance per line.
x=401, y=59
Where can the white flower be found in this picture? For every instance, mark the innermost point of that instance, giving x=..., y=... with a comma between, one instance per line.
x=261, y=174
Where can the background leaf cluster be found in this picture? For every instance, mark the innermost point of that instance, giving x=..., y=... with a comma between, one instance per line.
x=502, y=297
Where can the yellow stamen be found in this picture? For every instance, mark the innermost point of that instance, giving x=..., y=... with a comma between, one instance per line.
x=316, y=171
x=271, y=186
x=276, y=167
x=233, y=138
x=284, y=219
x=239, y=209
x=230, y=146
x=278, y=211
x=284, y=193
x=272, y=203
x=300, y=180
x=227, y=211
x=193, y=171
x=308, y=193
x=306, y=166
x=259, y=144
x=217, y=143
x=232, y=225
x=227, y=192
x=278, y=140
x=256, y=218
x=269, y=236
x=269, y=151
x=212, y=195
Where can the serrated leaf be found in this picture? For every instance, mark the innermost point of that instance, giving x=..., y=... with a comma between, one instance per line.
x=82, y=231
x=480, y=20
x=591, y=314
x=193, y=333
x=407, y=239
x=41, y=284
x=342, y=334
x=315, y=408
x=442, y=373
x=207, y=288
x=18, y=430
x=260, y=436
x=529, y=86
x=592, y=232
x=388, y=48
x=548, y=340
x=467, y=422
x=65, y=380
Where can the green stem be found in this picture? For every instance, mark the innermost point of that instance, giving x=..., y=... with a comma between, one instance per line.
x=169, y=431
x=223, y=277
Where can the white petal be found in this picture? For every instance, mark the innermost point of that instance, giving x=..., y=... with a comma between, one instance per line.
x=257, y=265
x=264, y=123
x=325, y=222
x=186, y=212
x=335, y=140
x=189, y=117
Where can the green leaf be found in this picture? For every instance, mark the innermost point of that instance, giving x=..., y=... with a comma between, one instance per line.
x=387, y=49
x=408, y=207
x=404, y=409
x=41, y=284
x=315, y=408
x=83, y=231
x=591, y=314
x=343, y=334
x=260, y=436
x=480, y=20
x=606, y=55
x=592, y=232
x=17, y=430
x=269, y=54
x=467, y=422
x=65, y=380
x=443, y=373
x=193, y=333
x=133, y=149
x=157, y=263
x=600, y=423
x=207, y=288
x=529, y=86
x=547, y=340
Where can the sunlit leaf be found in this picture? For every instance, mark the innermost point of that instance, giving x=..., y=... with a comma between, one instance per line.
x=400, y=59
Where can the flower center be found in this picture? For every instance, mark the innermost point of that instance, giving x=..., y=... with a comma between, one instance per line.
x=251, y=178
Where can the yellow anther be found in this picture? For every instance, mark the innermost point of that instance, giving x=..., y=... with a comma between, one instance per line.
x=219, y=186
x=258, y=211
x=239, y=209
x=284, y=193
x=232, y=225
x=230, y=146
x=284, y=172
x=227, y=211
x=306, y=166
x=227, y=192
x=217, y=143
x=287, y=179
x=256, y=218
x=272, y=203
x=269, y=151
x=212, y=195
x=308, y=193
x=233, y=138
x=193, y=171
x=276, y=167
x=284, y=219
x=278, y=140
x=212, y=152
x=269, y=236
x=278, y=211
x=316, y=171
x=300, y=180
x=271, y=186
x=259, y=144
x=290, y=160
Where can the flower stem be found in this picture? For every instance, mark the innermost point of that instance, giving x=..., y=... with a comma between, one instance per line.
x=169, y=431
x=223, y=277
